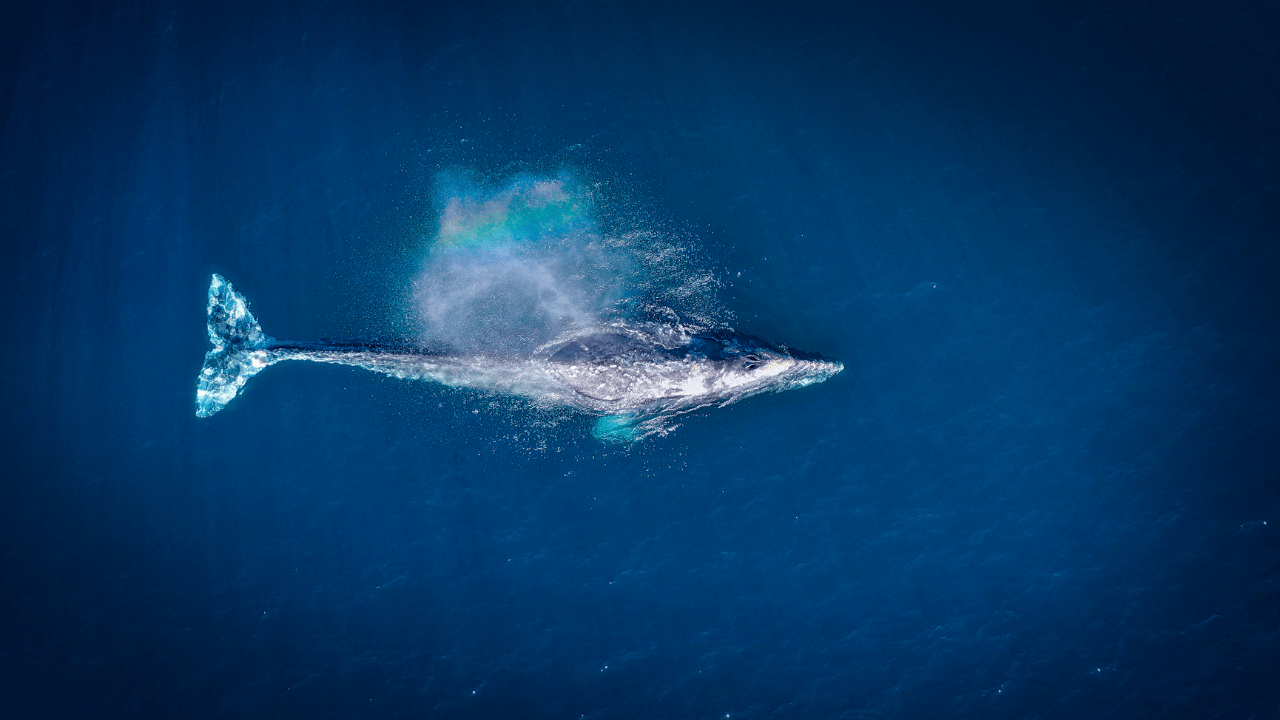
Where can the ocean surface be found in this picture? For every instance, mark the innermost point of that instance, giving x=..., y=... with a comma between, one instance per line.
x=1043, y=238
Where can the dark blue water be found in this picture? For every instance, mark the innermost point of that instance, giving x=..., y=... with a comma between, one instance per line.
x=1043, y=240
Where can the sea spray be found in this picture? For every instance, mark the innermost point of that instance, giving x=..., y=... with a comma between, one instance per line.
x=518, y=265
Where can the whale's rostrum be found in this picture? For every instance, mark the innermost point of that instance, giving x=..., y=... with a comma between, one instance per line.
x=630, y=375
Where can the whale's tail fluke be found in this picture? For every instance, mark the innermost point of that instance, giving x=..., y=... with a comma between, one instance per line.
x=240, y=349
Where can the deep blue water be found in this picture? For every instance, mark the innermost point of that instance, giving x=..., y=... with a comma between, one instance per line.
x=1043, y=240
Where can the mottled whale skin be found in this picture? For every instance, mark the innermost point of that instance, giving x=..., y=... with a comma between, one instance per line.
x=630, y=375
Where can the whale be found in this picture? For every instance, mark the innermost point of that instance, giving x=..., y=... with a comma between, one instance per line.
x=631, y=376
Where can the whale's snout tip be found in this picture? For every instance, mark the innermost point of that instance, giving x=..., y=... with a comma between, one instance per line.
x=810, y=371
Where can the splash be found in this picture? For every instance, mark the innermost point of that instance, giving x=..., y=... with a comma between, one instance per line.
x=526, y=211
x=516, y=266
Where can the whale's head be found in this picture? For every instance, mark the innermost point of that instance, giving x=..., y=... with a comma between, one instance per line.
x=621, y=371
x=745, y=365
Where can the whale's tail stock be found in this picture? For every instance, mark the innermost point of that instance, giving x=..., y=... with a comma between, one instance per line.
x=240, y=348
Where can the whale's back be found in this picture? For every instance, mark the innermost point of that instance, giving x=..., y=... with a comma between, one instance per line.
x=620, y=369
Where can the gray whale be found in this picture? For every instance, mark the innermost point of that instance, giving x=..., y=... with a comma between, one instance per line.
x=631, y=375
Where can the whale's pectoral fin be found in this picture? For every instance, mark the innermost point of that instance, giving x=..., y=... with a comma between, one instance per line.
x=239, y=349
x=621, y=428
